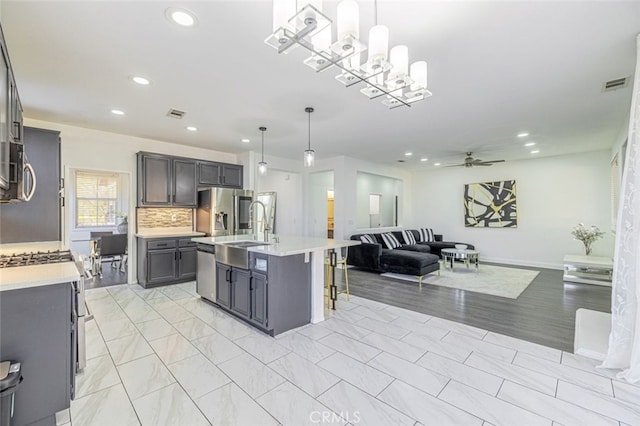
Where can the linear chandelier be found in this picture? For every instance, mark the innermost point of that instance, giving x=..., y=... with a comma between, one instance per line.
x=383, y=73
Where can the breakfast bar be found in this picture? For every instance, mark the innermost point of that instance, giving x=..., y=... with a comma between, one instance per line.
x=296, y=264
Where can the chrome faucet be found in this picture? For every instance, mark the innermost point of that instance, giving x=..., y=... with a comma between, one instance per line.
x=266, y=227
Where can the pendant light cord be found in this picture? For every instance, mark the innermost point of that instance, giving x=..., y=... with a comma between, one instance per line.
x=375, y=12
x=309, y=131
x=262, y=129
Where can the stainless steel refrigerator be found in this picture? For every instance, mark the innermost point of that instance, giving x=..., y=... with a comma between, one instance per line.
x=224, y=211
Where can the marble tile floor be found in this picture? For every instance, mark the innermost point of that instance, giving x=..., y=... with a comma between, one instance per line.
x=165, y=357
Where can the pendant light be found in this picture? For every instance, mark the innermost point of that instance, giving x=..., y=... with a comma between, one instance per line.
x=262, y=165
x=309, y=154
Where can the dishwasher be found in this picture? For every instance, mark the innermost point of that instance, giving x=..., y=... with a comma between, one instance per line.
x=206, y=273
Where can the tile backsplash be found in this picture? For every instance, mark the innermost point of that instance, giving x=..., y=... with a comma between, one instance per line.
x=164, y=218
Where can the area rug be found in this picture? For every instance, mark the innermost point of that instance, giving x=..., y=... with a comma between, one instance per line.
x=488, y=279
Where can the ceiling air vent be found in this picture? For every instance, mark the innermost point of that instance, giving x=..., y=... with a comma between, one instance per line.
x=175, y=113
x=618, y=83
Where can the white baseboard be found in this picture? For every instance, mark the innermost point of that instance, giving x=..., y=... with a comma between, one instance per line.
x=519, y=262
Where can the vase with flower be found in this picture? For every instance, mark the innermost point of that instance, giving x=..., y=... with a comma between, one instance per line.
x=123, y=227
x=587, y=235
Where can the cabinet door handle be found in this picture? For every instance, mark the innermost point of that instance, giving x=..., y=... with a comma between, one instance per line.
x=175, y=256
x=180, y=255
x=231, y=276
x=226, y=276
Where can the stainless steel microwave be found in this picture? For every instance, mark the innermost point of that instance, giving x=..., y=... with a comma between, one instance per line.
x=22, y=178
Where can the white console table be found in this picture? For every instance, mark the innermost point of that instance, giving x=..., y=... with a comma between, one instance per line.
x=588, y=269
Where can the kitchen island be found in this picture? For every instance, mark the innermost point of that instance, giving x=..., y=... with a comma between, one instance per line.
x=294, y=269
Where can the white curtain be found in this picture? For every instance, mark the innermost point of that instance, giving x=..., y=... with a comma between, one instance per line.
x=624, y=340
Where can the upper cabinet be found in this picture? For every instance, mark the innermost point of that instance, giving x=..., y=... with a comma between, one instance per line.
x=219, y=174
x=166, y=181
x=10, y=114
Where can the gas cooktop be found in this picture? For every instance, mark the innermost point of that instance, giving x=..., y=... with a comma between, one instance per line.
x=35, y=258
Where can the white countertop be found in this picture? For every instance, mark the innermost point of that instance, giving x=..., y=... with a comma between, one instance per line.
x=287, y=246
x=168, y=232
x=37, y=275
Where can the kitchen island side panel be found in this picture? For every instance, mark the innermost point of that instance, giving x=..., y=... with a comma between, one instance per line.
x=289, y=293
x=35, y=330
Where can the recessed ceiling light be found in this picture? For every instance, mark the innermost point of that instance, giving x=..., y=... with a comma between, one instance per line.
x=529, y=144
x=140, y=80
x=117, y=112
x=522, y=134
x=423, y=159
x=535, y=151
x=245, y=140
x=436, y=164
x=192, y=128
x=181, y=17
x=408, y=154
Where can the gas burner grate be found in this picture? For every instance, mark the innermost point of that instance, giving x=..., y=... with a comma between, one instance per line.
x=35, y=258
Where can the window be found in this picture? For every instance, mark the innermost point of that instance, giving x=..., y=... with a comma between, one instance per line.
x=96, y=199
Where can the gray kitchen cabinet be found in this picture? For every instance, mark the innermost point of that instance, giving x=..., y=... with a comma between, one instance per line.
x=223, y=285
x=165, y=181
x=211, y=173
x=40, y=218
x=15, y=111
x=241, y=292
x=163, y=261
x=161, y=265
x=37, y=330
x=185, y=190
x=259, y=293
x=187, y=263
x=274, y=297
x=154, y=180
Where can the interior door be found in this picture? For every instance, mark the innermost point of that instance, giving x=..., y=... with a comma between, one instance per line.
x=4, y=119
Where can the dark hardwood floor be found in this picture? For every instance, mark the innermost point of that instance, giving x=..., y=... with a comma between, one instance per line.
x=110, y=276
x=544, y=313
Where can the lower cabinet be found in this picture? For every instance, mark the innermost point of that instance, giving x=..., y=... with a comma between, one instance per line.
x=259, y=299
x=164, y=261
x=243, y=292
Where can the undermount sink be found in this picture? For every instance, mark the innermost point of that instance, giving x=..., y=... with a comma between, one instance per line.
x=235, y=253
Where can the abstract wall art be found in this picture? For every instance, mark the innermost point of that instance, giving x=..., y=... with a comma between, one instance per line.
x=490, y=204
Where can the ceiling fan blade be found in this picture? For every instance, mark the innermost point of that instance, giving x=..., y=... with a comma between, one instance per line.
x=457, y=165
x=493, y=161
x=482, y=164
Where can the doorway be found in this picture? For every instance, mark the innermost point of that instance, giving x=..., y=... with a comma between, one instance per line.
x=98, y=204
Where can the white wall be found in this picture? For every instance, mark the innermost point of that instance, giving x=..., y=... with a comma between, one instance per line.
x=554, y=194
x=288, y=188
x=90, y=149
x=387, y=188
x=318, y=185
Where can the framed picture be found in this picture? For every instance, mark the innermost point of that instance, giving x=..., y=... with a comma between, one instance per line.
x=490, y=204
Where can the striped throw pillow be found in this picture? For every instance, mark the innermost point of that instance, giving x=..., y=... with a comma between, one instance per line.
x=408, y=236
x=426, y=235
x=390, y=240
x=366, y=238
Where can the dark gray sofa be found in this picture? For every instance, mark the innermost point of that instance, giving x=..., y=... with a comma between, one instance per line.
x=410, y=259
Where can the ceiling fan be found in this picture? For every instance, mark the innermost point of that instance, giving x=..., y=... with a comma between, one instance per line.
x=469, y=161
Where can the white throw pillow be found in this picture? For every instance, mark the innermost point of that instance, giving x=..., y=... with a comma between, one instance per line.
x=426, y=235
x=390, y=240
x=366, y=238
x=408, y=236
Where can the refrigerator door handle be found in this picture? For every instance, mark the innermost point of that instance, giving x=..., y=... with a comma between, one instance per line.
x=236, y=214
